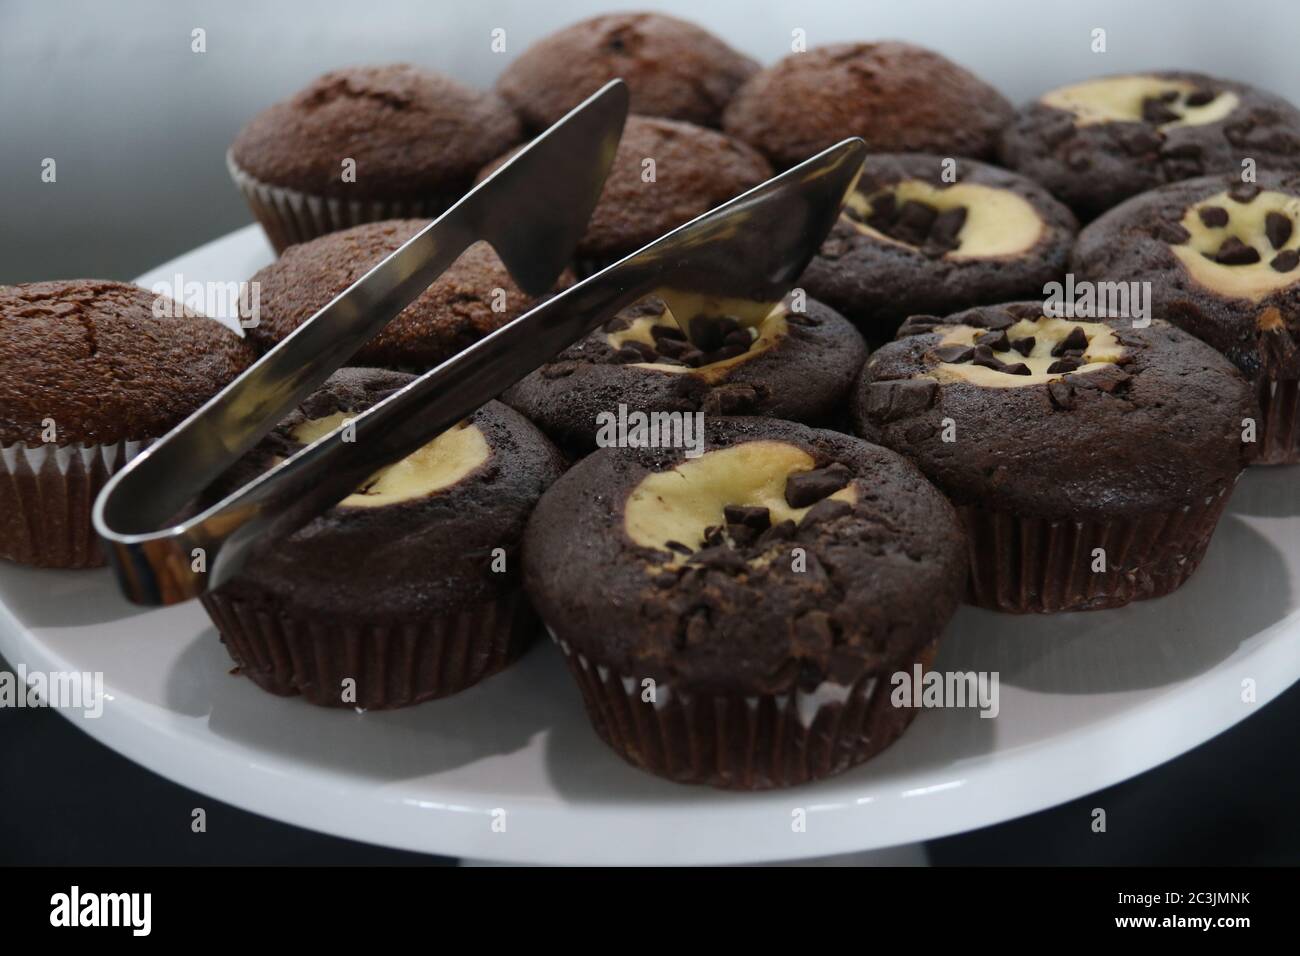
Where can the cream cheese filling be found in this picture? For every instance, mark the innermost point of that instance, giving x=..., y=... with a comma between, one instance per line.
x=1246, y=222
x=1103, y=349
x=998, y=222
x=682, y=503
x=1119, y=99
x=431, y=468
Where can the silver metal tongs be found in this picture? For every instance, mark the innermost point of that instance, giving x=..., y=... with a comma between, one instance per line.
x=533, y=210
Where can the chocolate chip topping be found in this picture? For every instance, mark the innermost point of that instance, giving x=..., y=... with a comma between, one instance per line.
x=954, y=353
x=914, y=223
x=1213, y=216
x=1234, y=252
x=809, y=487
x=1025, y=346
x=1200, y=97
x=1244, y=192
x=1155, y=111
x=1076, y=341
x=750, y=516
x=1278, y=228
x=1286, y=261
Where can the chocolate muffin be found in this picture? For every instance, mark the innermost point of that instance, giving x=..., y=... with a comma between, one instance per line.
x=1090, y=460
x=665, y=173
x=1222, y=260
x=898, y=97
x=409, y=588
x=415, y=139
x=1095, y=143
x=909, y=242
x=734, y=619
x=89, y=376
x=474, y=297
x=672, y=68
x=797, y=365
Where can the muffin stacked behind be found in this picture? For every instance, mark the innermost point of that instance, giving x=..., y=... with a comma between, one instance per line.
x=364, y=144
x=474, y=297
x=89, y=375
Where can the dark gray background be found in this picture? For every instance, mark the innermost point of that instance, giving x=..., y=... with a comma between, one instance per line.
x=139, y=124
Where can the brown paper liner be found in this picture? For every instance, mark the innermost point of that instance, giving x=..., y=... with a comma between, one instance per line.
x=394, y=664
x=1279, y=438
x=289, y=217
x=736, y=742
x=1023, y=565
x=47, y=493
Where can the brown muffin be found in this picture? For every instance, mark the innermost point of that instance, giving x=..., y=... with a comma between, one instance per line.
x=410, y=586
x=734, y=619
x=417, y=138
x=672, y=69
x=472, y=298
x=898, y=97
x=794, y=365
x=694, y=170
x=1222, y=260
x=88, y=377
x=909, y=242
x=1095, y=143
x=1090, y=459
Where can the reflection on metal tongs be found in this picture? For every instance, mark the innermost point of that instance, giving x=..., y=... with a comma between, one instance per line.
x=741, y=258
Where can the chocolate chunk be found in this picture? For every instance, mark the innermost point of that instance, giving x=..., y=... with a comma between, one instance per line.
x=1278, y=228
x=1168, y=96
x=946, y=226
x=1076, y=340
x=1024, y=346
x=674, y=348
x=884, y=208
x=559, y=369
x=828, y=509
x=1140, y=141
x=692, y=357
x=713, y=535
x=617, y=324
x=1200, y=97
x=1062, y=365
x=988, y=360
x=914, y=222
x=809, y=487
x=954, y=353
x=996, y=320
x=1171, y=232
x=783, y=531
x=739, y=337
x=678, y=547
x=661, y=332
x=996, y=340
x=742, y=535
x=1286, y=261
x=1019, y=368
x=724, y=353
x=1216, y=217
x=708, y=332
x=1156, y=112
x=1243, y=192
x=1234, y=252
x=731, y=400
x=629, y=353
x=890, y=401
x=720, y=558
x=1061, y=394
x=751, y=516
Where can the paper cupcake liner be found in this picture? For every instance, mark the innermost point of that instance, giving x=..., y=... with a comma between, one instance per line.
x=289, y=217
x=739, y=742
x=1279, y=438
x=46, y=496
x=1022, y=565
x=393, y=664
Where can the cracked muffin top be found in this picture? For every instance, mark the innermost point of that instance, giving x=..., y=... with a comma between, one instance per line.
x=413, y=133
x=672, y=69
x=94, y=358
